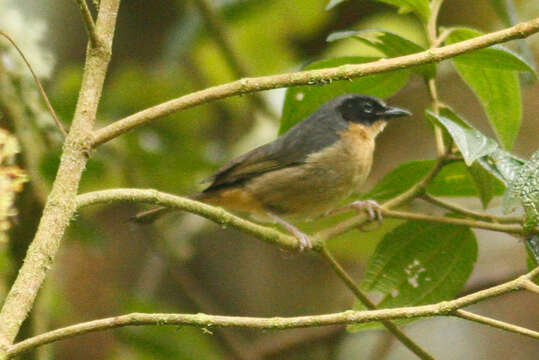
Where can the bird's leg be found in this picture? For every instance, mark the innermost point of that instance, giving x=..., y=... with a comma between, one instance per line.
x=373, y=209
x=304, y=242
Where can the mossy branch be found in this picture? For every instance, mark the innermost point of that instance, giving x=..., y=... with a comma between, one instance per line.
x=312, y=77
x=445, y=308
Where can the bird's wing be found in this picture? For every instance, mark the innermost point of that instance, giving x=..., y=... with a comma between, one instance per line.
x=258, y=161
x=290, y=149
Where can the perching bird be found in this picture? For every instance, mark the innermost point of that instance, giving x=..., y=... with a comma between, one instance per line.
x=305, y=172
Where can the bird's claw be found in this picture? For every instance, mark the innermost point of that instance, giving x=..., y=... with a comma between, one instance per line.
x=304, y=241
x=373, y=209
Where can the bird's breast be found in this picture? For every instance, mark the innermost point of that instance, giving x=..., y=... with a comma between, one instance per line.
x=348, y=161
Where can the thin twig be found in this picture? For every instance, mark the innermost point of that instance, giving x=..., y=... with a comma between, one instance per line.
x=218, y=30
x=531, y=286
x=470, y=213
x=38, y=83
x=89, y=24
x=438, y=134
x=507, y=228
x=496, y=323
x=444, y=308
x=364, y=299
x=311, y=77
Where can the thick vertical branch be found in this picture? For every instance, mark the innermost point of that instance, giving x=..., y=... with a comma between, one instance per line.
x=60, y=204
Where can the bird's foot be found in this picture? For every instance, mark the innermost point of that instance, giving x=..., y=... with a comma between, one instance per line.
x=303, y=239
x=373, y=209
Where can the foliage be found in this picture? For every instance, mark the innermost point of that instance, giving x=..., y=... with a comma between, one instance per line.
x=419, y=263
x=412, y=262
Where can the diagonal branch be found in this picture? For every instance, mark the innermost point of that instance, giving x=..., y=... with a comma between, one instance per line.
x=470, y=213
x=218, y=215
x=89, y=24
x=445, y=308
x=496, y=323
x=311, y=77
x=38, y=83
x=364, y=299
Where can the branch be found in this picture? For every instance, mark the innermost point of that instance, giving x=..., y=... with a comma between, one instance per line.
x=60, y=204
x=389, y=325
x=312, y=77
x=445, y=308
x=38, y=83
x=470, y=213
x=508, y=228
x=531, y=286
x=88, y=23
x=225, y=218
x=218, y=215
x=496, y=323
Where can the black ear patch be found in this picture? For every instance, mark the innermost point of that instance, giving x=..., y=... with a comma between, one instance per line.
x=361, y=109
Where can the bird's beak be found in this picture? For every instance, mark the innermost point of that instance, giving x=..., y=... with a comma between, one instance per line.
x=393, y=111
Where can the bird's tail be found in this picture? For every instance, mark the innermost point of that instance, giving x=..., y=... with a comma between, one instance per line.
x=149, y=216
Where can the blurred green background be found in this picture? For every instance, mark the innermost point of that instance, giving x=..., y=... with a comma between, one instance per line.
x=108, y=266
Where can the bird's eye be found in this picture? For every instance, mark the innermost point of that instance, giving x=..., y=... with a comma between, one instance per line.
x=368, y=107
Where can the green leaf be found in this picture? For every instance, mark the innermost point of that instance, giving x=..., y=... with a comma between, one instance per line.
x=301, y=101
x=399, y=180
x=502, y=164
x=532, y=245
x=471, y=143
x=493, y=57
x=497, y=89
x=485, y=182
x=420, y=263
x=389, y=43
x=453, y=180
x=420, y=7
x=524, y=189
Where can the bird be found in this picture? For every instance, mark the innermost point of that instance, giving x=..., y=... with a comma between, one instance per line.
x=307, y=171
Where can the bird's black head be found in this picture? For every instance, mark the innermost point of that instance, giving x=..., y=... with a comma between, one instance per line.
x=366, y=109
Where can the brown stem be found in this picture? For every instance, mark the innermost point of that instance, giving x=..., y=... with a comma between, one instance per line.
x=444, y=308
x=311, y=77
x=60, y=204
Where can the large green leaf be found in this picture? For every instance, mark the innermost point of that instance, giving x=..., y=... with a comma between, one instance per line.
x=497, y=89
x=471, y=143
x=420, y=263
x=301, y=101
x=493, y=57
x=485, y=182
x=503, y=165
x=524, y=190
x=453, y=180
x=532, y=248
x=420, y=7
x=389, y=43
